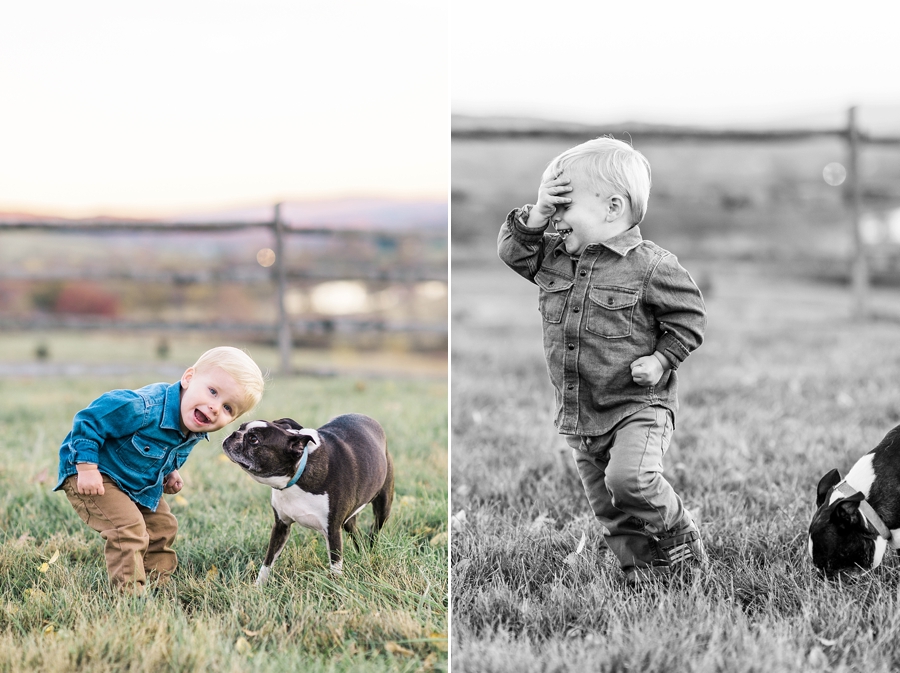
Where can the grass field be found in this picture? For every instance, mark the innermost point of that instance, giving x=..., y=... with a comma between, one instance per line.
x=787, y=386
x=387, y=612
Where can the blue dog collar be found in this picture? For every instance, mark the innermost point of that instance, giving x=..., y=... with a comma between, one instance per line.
x=300, y=468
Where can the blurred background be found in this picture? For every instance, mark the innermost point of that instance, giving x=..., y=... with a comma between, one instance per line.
x=272, y=176
x=745, y=130
x=744, y=114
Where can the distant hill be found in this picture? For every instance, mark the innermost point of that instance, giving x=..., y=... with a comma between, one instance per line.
x=469, y=124
x=349, y=213
x=878, y=120
x=6, y=217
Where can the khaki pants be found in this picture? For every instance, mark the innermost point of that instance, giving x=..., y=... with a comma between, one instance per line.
x=138, y=540
x=621, y=472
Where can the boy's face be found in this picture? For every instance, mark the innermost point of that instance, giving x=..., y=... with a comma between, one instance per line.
x=210, y=400
x=588, y=219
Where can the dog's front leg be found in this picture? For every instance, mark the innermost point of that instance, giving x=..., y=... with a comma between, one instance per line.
x=280, y=533
x=335, y=548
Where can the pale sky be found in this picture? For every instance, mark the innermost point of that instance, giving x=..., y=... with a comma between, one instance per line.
x=687, y=62
x=153, y=109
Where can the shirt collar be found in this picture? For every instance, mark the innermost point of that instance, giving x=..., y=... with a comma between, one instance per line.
x=171, y=419
x=621, y=244
x=624, y=242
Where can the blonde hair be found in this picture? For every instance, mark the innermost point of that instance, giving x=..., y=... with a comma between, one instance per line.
x=606, y=161
x=241, y=367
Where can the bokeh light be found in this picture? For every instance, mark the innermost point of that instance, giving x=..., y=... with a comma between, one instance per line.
x=432, y=290
x=339, y=297
x=265, y=257
x=834, y=174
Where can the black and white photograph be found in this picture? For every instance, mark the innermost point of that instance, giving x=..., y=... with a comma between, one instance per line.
x=675, y=309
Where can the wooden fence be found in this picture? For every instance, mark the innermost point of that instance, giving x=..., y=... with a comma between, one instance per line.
x=285, y=326
x=854, y=137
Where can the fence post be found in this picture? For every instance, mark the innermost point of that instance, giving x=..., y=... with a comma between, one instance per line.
x=860, y=268
x=284, y=327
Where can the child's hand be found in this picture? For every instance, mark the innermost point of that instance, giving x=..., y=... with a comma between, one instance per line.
x=647, y=371
x=551, y=195
x=89, y=480
x=173, y=482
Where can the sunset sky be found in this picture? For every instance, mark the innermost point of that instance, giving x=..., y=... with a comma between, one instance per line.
x=690, y=62
x=179, y=107
x=171, y=107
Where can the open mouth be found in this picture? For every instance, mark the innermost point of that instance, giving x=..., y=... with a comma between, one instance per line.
x=200, y=417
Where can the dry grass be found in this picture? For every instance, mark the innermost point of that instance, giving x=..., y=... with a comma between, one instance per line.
x=787, y=386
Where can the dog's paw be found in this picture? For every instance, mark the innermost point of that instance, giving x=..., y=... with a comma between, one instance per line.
x=337, y=568
x=263, y=576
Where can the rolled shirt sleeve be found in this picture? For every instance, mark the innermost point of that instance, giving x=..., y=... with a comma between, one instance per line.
x=521, y=248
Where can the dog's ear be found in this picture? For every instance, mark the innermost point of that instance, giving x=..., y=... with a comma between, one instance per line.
x=287, y=424
x=300, y=438
x=825, y=485
x=846, y=510
x=297, y=445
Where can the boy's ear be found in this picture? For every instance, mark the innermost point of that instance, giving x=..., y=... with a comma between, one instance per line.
x=186, y=377
x=616, y=207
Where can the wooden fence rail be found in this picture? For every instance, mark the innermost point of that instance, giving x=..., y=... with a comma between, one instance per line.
x=279, y=273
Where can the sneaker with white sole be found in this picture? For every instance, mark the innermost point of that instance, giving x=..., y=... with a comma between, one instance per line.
x=683, y=548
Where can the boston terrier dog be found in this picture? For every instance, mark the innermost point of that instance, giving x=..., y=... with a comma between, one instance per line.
x=320, y=479
x=858, y=516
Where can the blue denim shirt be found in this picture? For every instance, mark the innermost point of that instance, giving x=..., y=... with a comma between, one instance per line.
x=135, y=438
x=620, y=300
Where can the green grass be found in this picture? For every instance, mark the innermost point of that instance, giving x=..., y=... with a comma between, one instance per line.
x=387, y=612
x=787, y=386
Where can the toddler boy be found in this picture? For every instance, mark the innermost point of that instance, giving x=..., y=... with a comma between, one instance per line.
x=619, y=316
x=125, y=449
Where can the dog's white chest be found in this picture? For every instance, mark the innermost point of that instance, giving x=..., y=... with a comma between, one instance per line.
x=309, y=510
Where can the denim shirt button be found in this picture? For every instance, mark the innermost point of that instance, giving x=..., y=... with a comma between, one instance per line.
x=583, y=273
x=571, y=347
x=576, y=309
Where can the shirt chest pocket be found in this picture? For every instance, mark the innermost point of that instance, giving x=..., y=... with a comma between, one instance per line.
x=611, y=311
x=554, y=292
x=143, y=453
